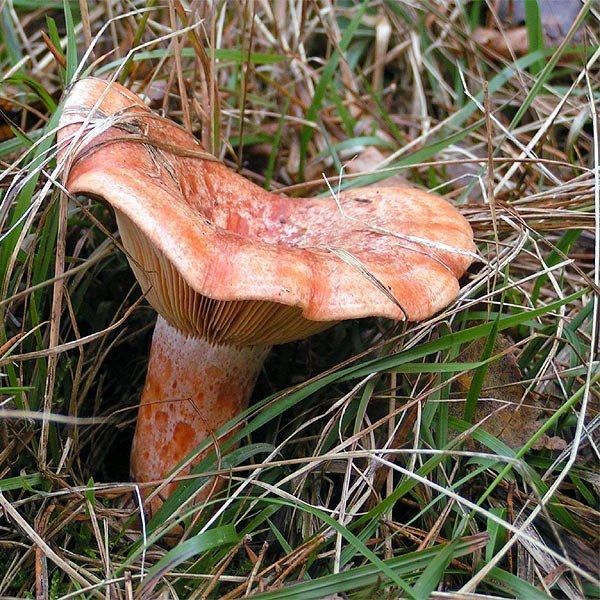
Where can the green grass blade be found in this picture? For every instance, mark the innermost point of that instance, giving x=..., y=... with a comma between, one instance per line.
x=546, y=72
x=517, y=587
x=71, y=53
x=324, y=81
x=21, y=482
x=10, y=36
x=535, y=32
x=214, y=538
x=434, y=572
x=369, y=575
x=480, y=373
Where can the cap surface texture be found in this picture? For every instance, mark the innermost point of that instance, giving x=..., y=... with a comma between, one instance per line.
x=221, y=258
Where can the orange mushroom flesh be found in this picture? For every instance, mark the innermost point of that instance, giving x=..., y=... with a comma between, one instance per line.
x=192, y=388
x=233, y=269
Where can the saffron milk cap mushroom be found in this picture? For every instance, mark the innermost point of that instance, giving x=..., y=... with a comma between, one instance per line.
x=233, y=269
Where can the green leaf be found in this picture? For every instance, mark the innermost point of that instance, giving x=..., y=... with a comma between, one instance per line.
x=15, y=144
x=562, y=247
x=535, y=32
x=325, y=79
x=55, y=39
x=187, y=488
x=279, y=536
x=21, y=482
x=9, y=37
x=514, y=585
x=24, y=199
x=36, y=87
x=71, y=43
x=454, y=129
x=434, y=572
x=529, y=474
x=546, y=72
x=275, y=145
x=495, y=531
x=224, y=55
x=90, y=496
x=479, y=375
x=214, y=538
x=369, y=575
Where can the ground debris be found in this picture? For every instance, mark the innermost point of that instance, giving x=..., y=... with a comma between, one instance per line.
x=508, y=410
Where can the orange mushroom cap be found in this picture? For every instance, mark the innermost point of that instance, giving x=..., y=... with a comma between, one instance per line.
x=223, y=259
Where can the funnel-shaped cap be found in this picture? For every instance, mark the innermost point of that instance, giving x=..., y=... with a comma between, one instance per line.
x=221, y=258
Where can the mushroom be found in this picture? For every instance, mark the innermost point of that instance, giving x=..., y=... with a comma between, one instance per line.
x=233, y=269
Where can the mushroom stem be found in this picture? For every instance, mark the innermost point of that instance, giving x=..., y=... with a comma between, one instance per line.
x=192, y=388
